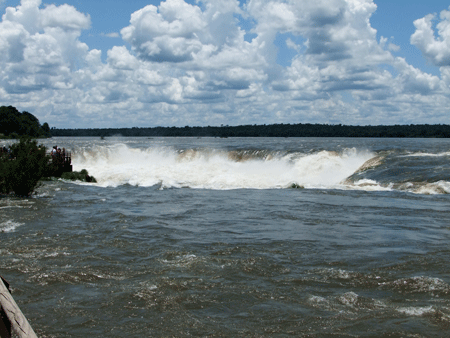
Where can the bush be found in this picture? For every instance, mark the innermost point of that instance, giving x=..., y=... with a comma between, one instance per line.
x=23, y=167
x=82, y=175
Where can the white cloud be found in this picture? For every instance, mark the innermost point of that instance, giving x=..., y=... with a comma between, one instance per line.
x=435, y=49
x=111, y=35
x=194, y=64
x=341, y=50
x=120, y=57
x=414, y=81
x=12, y=36
x=393, y=47
x=166, y=33
x=65, y=17
x=42, y=48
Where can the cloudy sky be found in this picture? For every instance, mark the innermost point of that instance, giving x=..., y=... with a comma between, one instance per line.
x=143, y=63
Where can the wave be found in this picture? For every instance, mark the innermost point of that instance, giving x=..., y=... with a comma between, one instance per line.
x=416, y=311
x=421, y=154
x=418, y=284
x=435, y=188
x=9, y=226
x=218, y=169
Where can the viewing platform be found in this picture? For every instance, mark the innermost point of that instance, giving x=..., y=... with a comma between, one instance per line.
x=61, y=163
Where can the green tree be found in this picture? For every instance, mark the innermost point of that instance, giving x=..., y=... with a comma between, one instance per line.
x=9, y=120
x=29, y=125
x=13, y=123
x=23, y=167
x=46, y=130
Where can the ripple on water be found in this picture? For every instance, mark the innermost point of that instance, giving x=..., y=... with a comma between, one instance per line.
x=9, y=226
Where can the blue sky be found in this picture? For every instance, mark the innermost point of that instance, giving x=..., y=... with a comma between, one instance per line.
x=77, y=64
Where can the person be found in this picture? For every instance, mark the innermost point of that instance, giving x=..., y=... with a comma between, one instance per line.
x=54, y=151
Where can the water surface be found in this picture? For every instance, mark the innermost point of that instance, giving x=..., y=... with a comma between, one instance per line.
x=236, y=238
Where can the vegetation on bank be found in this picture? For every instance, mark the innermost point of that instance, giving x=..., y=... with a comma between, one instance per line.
x=82, y=176
x=273, y=130
x=25, y=163
x=14, y=124
x=22, y=166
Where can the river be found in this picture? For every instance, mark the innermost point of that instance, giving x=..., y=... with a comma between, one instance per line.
x=236, y=237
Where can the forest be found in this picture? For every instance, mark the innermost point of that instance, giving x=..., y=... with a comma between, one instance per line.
x=272, y=130
x=14, y=124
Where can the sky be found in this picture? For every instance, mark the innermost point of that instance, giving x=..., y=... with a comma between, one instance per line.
x=146, y=63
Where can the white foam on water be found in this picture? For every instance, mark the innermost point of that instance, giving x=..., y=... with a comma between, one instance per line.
x=416, y=311
x=420, y=154
x=444, y=185
x=348, y=298
x=420, y=284
x=338, y=273
x=436, y=188
x=370, y=185
x=201, y=169
x=181, y=261
x=317, y=299
x=9, y=226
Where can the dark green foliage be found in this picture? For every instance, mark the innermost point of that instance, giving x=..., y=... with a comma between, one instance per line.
x=78, y=176
x=14, y=124
x=46, y=129
x=273, y=130
x=22, y=168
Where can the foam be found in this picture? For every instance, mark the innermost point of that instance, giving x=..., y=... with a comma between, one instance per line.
x=9, y=226
x=216, y=169
x=416, y=311
x=420, y=154
x=420, y=284
x=370, y=185
x=349, y=298
x=436, y=188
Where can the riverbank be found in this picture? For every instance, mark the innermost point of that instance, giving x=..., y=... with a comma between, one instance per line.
x=273, y=130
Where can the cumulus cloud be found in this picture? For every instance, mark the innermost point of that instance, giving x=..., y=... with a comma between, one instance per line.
x=40, y=45
x=166, y=33
x=120, y=57
x=341, y=50
x=65, y=17
x=12, y=36
x=435, y=49
x=215, y=61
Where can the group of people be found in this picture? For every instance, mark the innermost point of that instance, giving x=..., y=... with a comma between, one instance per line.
x=57, y=152
x=60, y=157
x=5, y=151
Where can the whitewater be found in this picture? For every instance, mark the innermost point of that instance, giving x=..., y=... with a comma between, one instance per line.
x=218, y=169
x=208, y=164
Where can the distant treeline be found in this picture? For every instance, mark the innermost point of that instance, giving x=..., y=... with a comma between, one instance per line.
x=14, y=124
x=272, y=130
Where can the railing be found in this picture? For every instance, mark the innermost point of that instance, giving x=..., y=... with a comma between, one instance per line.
x=12, y=319
x=63, y=160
